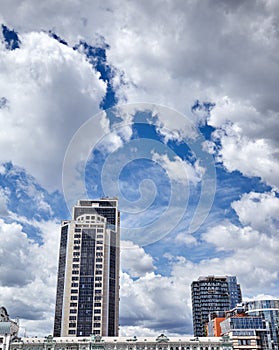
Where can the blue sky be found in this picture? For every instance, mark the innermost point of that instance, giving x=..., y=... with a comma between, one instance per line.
x=170, y=106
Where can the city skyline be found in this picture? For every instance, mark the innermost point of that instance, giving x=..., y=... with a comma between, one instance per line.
x=171, y=108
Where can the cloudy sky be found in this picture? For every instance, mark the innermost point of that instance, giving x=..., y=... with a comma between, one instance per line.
x=172, y=106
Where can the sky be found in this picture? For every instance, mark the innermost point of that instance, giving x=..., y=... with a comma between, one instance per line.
x=171, y=106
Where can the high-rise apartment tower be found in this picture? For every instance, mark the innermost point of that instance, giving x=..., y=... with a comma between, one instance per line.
x=211, y=294
x=87, y=299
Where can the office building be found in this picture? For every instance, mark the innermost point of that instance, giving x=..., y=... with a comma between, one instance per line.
x=87, y=298
x=212, y=294
x=245, y=331
x=268, y=310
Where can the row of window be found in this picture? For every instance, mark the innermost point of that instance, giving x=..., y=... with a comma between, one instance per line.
x=91, y=218
x=244, y=341
x=77, y=247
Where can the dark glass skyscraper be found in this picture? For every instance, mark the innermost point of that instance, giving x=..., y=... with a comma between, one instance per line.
x=211, y=294
x=87, y=299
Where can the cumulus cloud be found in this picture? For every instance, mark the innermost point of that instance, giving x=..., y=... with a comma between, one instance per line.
x=254, y=242
x=179, y=170
x=184, y=63
x=149, y=301
x=186, y=239
x=134, y=260
x=51, y=90
x=28, y=277
x=259, y=210
x=15, y=251
x=247, y=144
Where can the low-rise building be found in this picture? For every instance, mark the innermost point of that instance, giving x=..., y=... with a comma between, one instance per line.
x=8, y=329
x=213, y=326
x=246, y=332
x=161, y=342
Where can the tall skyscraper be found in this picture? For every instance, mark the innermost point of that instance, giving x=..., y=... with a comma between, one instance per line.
x=211, y=294
x=87, y=298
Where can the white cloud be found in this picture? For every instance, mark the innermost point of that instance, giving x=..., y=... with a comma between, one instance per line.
x=259, y=210
x=179, y=170
x=247, y=144
x=2, y=169
x=149, y=302
x=253, y=245
x=134, y=260
x=186, y=238
x=28, y=277
x=51, y=90
x=4, y=195
x=15, y=251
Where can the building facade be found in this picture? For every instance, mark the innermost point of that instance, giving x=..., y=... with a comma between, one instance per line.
x=161, y=342
x=214, y=323
x=212, y=294
x=246, y=332
x=8, y=329
x=87, y=298
x=268, y=310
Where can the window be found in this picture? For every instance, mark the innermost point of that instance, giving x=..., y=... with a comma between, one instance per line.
x=76, y=241
x=75, y=266
x=73, y=304
x=97, y=325
x=100, y=236
x=98, y=285
x=72, y=325
x=73, y=311
x=99, y=266
x=244, y=341
x=74, y=291
x=76, y=247
x=76, y=253
x=75, y=259
x=72, y=331
x=97, y=318
x=74, y=297
x=97, y=304
x=72, y=318
x=99, y=248
x=99, y=260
